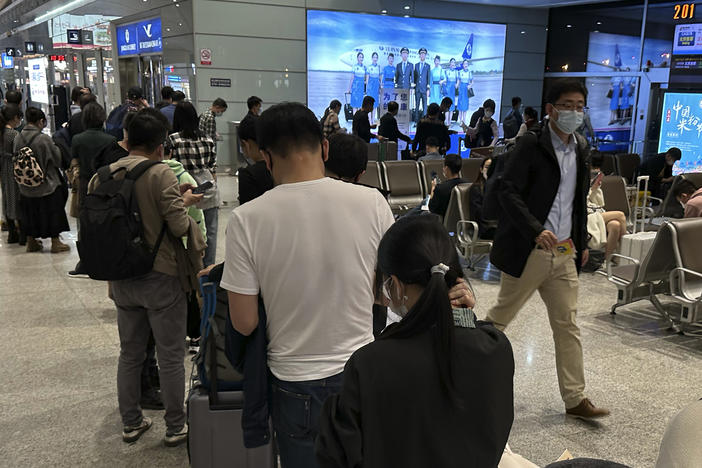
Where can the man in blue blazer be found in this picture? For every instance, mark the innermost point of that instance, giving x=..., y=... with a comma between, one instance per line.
x=404, y=71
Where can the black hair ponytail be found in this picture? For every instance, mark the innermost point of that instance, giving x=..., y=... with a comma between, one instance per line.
x=409, y=250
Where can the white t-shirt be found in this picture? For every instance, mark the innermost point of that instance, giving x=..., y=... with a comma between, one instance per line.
x=311, y=249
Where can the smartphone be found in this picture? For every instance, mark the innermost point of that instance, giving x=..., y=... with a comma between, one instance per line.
x=599, y=177
x=434, y=175
x=202, y=188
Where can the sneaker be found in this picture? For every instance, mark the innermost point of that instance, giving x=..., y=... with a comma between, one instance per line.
x=132, y=433
x=586, y=410
x=175, y=438
x=194, y=346
x=151, y=400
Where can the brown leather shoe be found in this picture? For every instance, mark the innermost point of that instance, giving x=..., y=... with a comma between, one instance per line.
x=57, y=246
x=33, y=245
x=586, y=410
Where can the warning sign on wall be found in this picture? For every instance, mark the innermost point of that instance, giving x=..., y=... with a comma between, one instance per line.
x=205, y=56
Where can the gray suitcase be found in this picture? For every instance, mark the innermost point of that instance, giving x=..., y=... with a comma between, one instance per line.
x=215, y=437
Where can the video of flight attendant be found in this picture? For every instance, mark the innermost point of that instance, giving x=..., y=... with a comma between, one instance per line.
x=351, y=55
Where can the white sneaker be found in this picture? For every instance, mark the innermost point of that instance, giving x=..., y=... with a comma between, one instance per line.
x=132, y=433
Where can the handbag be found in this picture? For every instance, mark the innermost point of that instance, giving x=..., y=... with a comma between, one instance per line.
x=471, y=93
x=610, y=93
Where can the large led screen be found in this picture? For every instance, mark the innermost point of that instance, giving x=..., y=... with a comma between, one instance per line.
x=681, y=126
x=335, y=39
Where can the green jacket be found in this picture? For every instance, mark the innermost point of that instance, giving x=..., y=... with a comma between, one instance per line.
x=185, y=178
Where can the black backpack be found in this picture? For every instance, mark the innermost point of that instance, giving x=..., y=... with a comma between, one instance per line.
x=112, y=245
x=511, y=126
x=113, y=124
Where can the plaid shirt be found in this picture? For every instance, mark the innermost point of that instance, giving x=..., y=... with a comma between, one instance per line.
x=193, y=154
x=331, y=125
x=208, y=126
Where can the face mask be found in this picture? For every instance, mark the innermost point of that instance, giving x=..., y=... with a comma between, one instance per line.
x=218, y=114
x=485, y=172
x=400, y=310
x=488, y=114
x=568, y=120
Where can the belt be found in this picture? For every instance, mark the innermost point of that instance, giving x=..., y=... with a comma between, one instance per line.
x=436, y=82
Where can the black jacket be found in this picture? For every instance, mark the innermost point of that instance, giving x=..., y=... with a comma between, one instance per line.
x=529, y=187
x=442, y=195
x=388, y=129
x=393, y=412
x=254, y=181
x=429, y=127
x=361, y=126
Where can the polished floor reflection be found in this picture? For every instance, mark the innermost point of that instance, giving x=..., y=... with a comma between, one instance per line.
x=60, y=345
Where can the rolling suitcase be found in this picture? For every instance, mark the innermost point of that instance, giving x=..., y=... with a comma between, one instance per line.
x=637, y=245
x=348, y=110
x=215, y=403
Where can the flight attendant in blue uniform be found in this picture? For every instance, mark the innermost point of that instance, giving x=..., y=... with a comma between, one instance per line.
x=438, y=78
x=358, y=82
x=449, y=88
x=614, y=100
x=389, y=72
x=373, y=83
x=465, y=82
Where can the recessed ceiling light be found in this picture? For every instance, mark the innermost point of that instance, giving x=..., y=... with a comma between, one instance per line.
x=523, y=32
x=168, y=29
x=599, y=23
x=407, y=16
x=385, y=12
x=407, y=7
x=569, y=25
x=180, y=24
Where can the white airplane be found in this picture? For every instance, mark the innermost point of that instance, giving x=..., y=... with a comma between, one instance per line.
x=383, y=50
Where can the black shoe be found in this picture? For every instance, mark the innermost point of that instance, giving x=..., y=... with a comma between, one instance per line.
x=151, y=400
x=12, y=237
x=22, y=239
x=77, y=271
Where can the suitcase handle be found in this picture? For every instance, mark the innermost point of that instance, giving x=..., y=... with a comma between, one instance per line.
x=347, y=97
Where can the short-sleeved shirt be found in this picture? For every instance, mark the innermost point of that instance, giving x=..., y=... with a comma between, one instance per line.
x=310, y=249
x=359, y=71
x=373, y=71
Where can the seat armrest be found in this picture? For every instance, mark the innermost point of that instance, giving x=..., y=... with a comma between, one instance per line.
x=610, y=276
x=461, y=232
x=677, y=281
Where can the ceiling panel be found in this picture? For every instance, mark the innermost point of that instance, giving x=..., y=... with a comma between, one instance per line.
x=531, y=3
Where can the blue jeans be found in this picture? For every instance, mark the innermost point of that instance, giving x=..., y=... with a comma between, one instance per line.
x=211, y=222
x=296, y=409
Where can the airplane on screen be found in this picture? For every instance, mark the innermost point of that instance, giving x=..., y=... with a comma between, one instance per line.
x=383, y=49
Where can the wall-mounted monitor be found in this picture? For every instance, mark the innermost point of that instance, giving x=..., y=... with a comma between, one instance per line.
x=681, y=126
x=341, y=45
x=686, y=64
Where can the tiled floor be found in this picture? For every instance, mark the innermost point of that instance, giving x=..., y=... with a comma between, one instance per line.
x=59, y=343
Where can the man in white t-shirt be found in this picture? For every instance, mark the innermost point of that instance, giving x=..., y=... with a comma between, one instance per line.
x=310, y=247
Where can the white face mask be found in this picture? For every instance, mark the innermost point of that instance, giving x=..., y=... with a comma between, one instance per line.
x=488, y=114
x=569, y=120
x=400, y=310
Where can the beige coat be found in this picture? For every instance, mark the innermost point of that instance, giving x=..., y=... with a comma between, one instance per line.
x=595, y=222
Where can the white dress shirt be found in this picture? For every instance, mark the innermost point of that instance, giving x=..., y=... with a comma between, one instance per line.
x=560, y=218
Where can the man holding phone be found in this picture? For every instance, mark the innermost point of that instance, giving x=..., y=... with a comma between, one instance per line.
x=441, y=192
x=541, y=236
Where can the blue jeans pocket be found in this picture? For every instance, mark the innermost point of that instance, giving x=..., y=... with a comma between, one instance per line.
x=291, y=412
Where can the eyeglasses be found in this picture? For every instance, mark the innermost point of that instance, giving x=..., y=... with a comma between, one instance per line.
x=570, y=106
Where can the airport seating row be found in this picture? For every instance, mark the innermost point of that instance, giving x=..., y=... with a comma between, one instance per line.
x=678, y=276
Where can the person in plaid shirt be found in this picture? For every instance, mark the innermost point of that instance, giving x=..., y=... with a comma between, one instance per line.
x=207, y=124
x=330, y=121
x=196, y=151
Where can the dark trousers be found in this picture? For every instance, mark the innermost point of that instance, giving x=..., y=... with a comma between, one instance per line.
x=296, y=409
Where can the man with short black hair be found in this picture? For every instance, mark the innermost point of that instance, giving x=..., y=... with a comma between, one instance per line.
x=348, y=157
x=311, y=331
x=157, y=300
x=75, y=124
x=432, y=126
x=542, y=234
x=513, y=120
x=169, y=110
x=659, y=168
x=254, y=104
x=166, y=97
x=208, y=126
x=432, y=150
x=254, y=180
x=388, y=125
x=441, y=193
x=361, y=124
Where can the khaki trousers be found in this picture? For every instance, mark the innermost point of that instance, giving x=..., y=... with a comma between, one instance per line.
x=556, y=279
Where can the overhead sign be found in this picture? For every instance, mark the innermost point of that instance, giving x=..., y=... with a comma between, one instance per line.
x=140, y=38
x=220, y=82
x=86, y=37
x=11, y=51
x=30, y=47
x=688, y=39
x=74, y=36
x=38, y=84
x=7, y=61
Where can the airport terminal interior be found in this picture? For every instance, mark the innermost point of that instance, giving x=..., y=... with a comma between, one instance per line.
x=229, y=229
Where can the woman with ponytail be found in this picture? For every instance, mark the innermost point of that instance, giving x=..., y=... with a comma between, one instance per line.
x=434, y=389
x=10, y=118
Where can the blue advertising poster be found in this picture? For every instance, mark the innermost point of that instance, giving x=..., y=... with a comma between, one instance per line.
x=7, y=61
x=688, y=39
x=139, y=38
x=335, y=39
x=681, y=126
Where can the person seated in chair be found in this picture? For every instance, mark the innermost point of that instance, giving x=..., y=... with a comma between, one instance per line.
x=659, y=168
x=348, y=157
x=690, y=197
x=441, y=193
x=432, y=148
